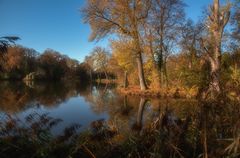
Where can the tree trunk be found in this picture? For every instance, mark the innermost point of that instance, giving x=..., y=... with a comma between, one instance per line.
x=204, y=131
x=140, y=112
x=161, y=45
x=136, y=38
x=141, y=77
x=217, y=21
x=165, y=72
x=91, y=78
x=106, y=76
x=125, y=80
x=99, y=78
x=156, y=78
x=205, y=143
x=125, y=101
x=214, y=86
x=156, y=75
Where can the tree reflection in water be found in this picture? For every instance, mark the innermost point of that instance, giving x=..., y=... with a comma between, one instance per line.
x=135, y=127
x=17, y=97
x=139, y=120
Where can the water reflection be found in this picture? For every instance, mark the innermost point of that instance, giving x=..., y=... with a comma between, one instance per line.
x=16, y=97
x=173, y=128
x=139, y=119
x=81, y=103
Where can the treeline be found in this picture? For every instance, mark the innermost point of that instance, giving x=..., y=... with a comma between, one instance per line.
x=21, y=63
x=156, y=46
x=17, y=62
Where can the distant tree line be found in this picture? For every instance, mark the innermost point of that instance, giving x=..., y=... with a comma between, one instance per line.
x=16, y=62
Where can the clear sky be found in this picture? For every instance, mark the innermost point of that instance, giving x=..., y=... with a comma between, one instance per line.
x=57, y=24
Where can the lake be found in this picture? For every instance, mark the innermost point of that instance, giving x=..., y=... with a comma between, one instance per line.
x=198, y=128
x=82, y=104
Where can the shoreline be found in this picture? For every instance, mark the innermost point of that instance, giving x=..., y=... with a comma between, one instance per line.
x=159, y=93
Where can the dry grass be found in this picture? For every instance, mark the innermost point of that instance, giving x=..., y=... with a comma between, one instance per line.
x=173, y=92
x=106, y=81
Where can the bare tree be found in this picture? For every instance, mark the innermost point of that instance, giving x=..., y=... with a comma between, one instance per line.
x=124, y=17
x=217, y=20
x=100, y=58
x=167, y=17
x=191, y=35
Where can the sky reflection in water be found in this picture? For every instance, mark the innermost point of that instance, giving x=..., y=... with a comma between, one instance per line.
x=81, y=104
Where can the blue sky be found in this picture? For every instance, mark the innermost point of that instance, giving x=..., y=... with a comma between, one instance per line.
x=57, y=24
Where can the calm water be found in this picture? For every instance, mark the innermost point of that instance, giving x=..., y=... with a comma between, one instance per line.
x=82, y=104
x=212, y=128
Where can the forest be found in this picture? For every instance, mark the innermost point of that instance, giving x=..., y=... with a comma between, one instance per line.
x=165, y=86
x=155, y=49
x=158, y=48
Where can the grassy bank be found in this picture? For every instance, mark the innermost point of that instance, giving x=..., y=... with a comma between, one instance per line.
x=106, y=81
x=173, y=92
